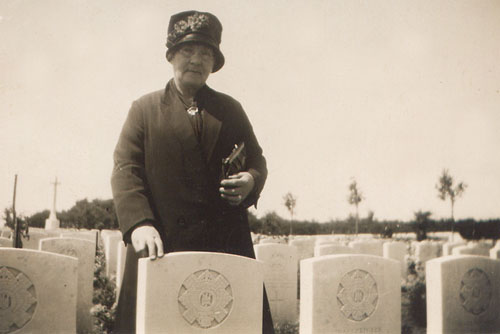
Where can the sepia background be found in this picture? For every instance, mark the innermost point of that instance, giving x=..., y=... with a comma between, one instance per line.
x=389, y=93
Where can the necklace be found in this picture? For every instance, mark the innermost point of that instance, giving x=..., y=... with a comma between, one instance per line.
x=193, y=109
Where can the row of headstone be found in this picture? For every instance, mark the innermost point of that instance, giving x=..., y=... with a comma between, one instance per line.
x=350, y=293
x=79, y=245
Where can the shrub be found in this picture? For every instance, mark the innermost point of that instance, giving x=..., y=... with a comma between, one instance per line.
x=104, y=296
x=413, y=298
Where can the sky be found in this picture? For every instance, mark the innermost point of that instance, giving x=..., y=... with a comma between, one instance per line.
x=387, y=93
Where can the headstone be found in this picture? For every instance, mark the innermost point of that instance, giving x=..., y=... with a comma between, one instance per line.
x=4, y=242
x=495, y=252
x=85, y=234
x=204, y=291
x=33, y=241
x=280, y=279
x=84, y=251
x=448, y=246
x=271, y=241
x=463, y=295
x=472, y=249
x=305, y=247
x=396, y=250
x=369, y=247
x=110, y=241
x=120, y=262
x=350, y=294
x=38, y=292
x=426, y=250
x=6, y=233
x=330, y=249
x=325, y=240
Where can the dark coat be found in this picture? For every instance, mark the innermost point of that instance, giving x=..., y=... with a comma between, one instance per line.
x=164, y=176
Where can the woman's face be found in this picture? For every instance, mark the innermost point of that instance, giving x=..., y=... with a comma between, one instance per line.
x=192, y=63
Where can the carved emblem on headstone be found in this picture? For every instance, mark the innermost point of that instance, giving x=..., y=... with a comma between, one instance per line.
x=17, y=300
x=205, y=299
x=475, y=291
x=357, y=295
x=69, y=251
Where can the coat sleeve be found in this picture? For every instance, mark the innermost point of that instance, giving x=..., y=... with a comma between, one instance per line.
x=255, y=161
x=128, y=180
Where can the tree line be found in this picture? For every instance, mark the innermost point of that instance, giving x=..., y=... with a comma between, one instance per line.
x=100, y=214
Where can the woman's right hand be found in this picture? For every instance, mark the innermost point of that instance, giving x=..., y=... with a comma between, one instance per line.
x=147, y=237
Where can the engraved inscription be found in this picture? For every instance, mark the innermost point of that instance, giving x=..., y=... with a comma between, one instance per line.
x=17, y=300
x=475, y=291
x=357, y=295
x=205, y=299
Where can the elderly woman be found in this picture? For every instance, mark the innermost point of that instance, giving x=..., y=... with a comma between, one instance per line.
x=167, y=184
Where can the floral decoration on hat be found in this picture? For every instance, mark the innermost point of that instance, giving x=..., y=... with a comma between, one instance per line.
x=194, y=23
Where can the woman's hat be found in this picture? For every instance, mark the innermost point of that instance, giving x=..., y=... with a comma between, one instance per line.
x=194, y=26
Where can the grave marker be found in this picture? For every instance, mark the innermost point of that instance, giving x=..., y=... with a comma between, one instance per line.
x=350, y=294
x=38, y=292
x=463, y=295
x=369, y=247
x=84, y=251
x=280, y=278
x=330, y=249
x=205, y=292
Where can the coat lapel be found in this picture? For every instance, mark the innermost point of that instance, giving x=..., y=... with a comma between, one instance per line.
x=210, y=133
x=178, y=121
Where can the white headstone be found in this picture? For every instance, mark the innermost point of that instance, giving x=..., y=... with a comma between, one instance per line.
x=84, y=251
x=463, y=295
x=369, y=247
x=110, y=241
x=304, y=246
x=471, y=249
x=448, y=246
x=33, y=241
x=396, y=250
x=272, y=241
x=198, y=292
x=350, y=294
x=330, y=249
x=85, y=234
x=495, y=252
x=120, y=262
x=280, y=278
x=426, y=250
x=38, y=292
x=4, y=242
x=6, y=233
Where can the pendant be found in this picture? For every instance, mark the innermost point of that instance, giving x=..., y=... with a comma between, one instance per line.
x=192, y=111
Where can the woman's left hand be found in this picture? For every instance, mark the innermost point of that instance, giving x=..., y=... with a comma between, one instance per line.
x=237, y=187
